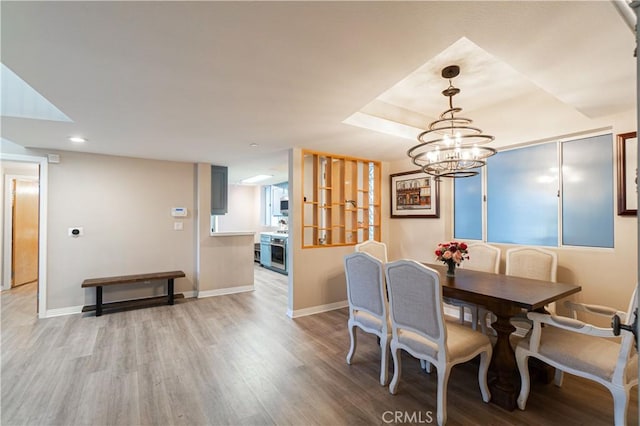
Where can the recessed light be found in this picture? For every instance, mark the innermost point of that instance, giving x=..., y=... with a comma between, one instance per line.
x=253, y=145
x=256, y=178
x=77, y=139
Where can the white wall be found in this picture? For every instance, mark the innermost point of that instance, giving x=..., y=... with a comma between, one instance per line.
x=123, y=205
x=416, y=238
x=243, y=210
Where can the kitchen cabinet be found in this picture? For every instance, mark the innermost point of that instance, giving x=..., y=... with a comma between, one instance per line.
x=278, y=192
x=219, y=188
x=273, y=251
x=265, y=250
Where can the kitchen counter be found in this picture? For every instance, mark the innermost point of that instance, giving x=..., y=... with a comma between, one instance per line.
x=230, y=234
x=275, y=234
x=226, y=263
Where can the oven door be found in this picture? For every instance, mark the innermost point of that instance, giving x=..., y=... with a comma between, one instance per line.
x=279, y=254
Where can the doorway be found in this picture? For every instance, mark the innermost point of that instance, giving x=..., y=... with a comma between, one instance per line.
x=23, y=236
x=25, y=196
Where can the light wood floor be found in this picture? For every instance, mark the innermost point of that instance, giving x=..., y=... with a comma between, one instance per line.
x=236, y=360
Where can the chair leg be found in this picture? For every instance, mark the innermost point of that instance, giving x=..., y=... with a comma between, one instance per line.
x=482, y=318
x=474, y=317
x=384, y=360
x=397, y=367
x=352, y=349
x=426, y=366
x=620, y=402
x=461, y=314
x=558, y=377
x=485, y=360
x=443, y=382
x=523, y=367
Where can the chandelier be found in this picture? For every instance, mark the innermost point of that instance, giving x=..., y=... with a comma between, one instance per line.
x=451, y=147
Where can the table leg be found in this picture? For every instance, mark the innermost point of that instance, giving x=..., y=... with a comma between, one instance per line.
x=98, y=300
x=170, y=290
x=503, y=362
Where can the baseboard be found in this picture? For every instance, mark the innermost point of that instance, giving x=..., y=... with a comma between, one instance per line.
x=223, y=291
x=63, y=311
x=78, y=309
x=189, y=294
x=317, y=309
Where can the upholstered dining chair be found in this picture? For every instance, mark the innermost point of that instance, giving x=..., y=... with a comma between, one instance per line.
x=374, y=248
x=418, y=327
x=482, y=257
x=534, y=263
x=582, y=349
x=368, y=306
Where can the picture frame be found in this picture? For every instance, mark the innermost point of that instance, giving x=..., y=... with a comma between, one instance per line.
x=627, y=162
x=414, y=194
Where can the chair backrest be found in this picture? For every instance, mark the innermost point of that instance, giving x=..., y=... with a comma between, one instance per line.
x=532, y=262
x=374, y=248
x=415, y=300
x=483, y=257
x=366, y=288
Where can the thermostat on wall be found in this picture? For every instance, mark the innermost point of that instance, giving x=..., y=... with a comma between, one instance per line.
x=178, y=211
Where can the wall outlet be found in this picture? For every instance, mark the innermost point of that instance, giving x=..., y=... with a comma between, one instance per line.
x=76, y=231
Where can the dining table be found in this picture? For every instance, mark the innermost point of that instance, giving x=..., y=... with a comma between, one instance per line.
x=505, y=296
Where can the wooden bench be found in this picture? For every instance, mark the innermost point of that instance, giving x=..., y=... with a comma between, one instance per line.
x=98, y=283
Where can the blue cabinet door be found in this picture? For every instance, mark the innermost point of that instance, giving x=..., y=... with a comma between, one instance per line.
x=265, y=254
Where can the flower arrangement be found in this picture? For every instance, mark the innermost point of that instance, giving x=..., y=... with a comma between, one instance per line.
x=452, y=252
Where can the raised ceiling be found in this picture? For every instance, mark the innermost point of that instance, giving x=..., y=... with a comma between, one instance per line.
x=201, y=81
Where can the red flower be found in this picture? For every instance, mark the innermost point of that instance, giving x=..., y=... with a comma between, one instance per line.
x=455, y=251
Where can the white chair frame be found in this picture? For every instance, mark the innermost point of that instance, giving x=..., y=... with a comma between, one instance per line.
x=619, y=384
x=443, y=360
x=369, y=318
x=374, y=248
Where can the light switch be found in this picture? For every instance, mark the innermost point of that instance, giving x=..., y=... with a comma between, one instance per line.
x=177, y=226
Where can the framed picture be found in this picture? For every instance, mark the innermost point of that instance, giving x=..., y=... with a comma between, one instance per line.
x=627, y=147
x=414, y=194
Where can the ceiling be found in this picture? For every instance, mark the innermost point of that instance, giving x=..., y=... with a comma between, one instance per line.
x=202, y=81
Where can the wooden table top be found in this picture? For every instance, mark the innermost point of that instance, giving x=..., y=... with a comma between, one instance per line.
x=123, y=279
x=479, y=287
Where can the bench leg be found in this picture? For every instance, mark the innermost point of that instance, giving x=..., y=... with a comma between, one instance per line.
x=98, y=300
x=170, y=290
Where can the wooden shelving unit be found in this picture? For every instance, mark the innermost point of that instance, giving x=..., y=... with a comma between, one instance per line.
x=341, y=200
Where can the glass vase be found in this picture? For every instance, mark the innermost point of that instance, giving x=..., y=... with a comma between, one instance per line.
x=451, y=269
